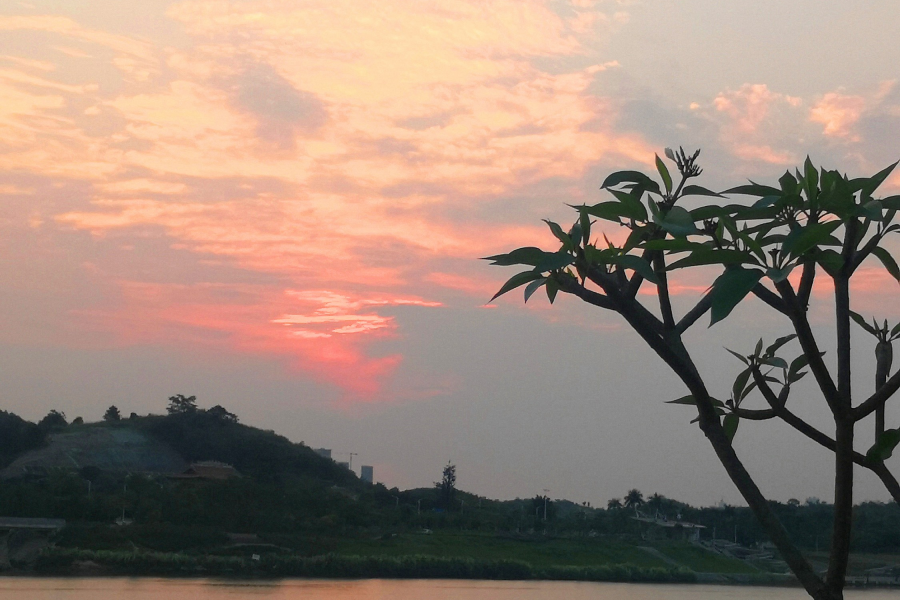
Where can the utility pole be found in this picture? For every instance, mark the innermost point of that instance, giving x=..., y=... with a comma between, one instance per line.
x=546, y=495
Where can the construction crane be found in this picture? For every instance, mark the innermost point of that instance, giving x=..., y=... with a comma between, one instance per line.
x=351, y=455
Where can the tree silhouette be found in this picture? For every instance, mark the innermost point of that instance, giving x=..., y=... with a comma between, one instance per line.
x=112, y=414
x=446, y=487
x=633, y=499
x=179, y=404
x=816, y=223
x=53, y=420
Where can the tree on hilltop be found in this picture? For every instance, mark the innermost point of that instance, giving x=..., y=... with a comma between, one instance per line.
x=53, y=420
x=180, y=404
x=633, y=499
x=816, y=224
x=446, y=487
x=112, y=414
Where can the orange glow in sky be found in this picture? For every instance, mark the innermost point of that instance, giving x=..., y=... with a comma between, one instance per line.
x=311, y=182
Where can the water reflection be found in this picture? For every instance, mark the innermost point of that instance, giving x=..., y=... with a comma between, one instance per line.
x=14, y=588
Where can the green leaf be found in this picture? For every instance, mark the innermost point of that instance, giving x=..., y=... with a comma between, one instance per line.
x=888, y=261
x=574, y=234
x=636, y=264
x=891, y=202
x=532, y=287
x=773, y=348
x=677, y=221
x=585, y=220
x=553, y=261
x=873, y=209
x=707, y=256
x=884, y=445
x=788, y=183
x=830, y=260
x=608, y=211
x=767, y=201
x=730, y=425
x=687, y=400
x=664, y=173
x=803, y=239
x=747, y=391
x=754, y=189
x=632, y=206
x=691, y=401
x=560, y=234
x=737, y=389
x=552, y=288
x=862, y=322
x=876, y=180
x=795, y=377
x=811, y=182
x=729, y=289
x=528, y=255
x=696, y=190
x=774, y=361
x=779, y=275
x=797, y=364
x=517, y=280
x=636, y=177
x=673, y=245
x=740, y=357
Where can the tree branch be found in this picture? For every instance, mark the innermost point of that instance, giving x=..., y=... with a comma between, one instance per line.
x=877, y=399
x=770, y=298
x=806, y=283
x=611, y=289
x=570, y=285
x=662, y=291
x=810, y=347
x=863, y=253
x=695, y=313
x=755, y=415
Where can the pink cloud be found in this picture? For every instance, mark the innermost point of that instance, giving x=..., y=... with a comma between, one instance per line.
x=326, y=341
x=349, y=215
x=838, y=113
x=752, y=110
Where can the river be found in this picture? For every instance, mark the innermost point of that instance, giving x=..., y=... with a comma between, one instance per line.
x=25, y=588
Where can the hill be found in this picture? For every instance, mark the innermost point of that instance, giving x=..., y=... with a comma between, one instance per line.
x=121, y=448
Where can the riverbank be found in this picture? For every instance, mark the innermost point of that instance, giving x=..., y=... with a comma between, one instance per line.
x=75, y=562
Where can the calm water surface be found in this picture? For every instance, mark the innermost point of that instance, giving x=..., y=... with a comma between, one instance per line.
x=383, y=589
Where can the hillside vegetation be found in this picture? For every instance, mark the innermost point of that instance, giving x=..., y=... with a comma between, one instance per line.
x=290, y=502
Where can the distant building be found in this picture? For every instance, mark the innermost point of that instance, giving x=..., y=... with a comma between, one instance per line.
x=346, y=465
x=323, y=452
x=660, y=526
x=367, y=473
x=208, y=469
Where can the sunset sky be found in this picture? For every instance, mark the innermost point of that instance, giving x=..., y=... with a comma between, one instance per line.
x=278, y=206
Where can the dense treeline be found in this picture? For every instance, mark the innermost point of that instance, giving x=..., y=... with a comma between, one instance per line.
x=334, y=566
x=17, y=436
x=286, y=489
x=263, y=455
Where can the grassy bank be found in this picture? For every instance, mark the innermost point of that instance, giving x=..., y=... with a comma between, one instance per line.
x=62, y=561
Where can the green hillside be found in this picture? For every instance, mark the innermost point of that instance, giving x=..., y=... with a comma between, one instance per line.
x=288, y=505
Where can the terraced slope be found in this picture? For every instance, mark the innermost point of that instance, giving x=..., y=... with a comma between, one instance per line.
x=107, y=447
